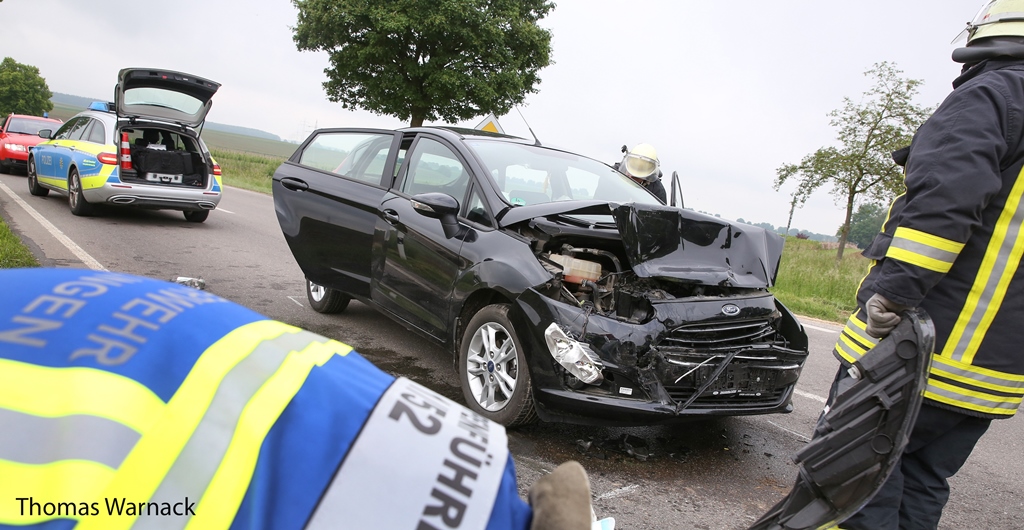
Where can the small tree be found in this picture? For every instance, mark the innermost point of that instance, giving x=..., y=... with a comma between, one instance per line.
x=416, y=60
x=865, y=223
x=22, y=90
x=868, y=133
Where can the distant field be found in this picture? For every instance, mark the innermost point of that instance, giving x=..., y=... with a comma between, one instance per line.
x=214, y=139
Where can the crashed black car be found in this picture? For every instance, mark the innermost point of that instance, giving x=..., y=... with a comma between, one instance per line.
x=563, y=289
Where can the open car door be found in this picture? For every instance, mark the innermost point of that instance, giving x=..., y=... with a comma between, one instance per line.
x=859, y=440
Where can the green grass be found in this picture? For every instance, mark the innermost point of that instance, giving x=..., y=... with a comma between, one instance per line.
x=246, y=170
x=13, y=253
x=811, y=283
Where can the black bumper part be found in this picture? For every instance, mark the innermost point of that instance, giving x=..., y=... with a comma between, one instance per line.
x=859, y=441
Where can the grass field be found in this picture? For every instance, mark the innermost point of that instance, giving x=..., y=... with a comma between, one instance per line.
x=246, y=170
x=811, y=283
x=13, y=253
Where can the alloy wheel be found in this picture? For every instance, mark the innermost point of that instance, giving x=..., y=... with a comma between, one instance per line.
x=492, y=366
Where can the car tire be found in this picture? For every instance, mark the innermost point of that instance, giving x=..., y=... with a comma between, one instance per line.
x=33, y=181
x=493, y=371
x=76, y=200
x=326, y=300
x=196, y=216
x=3, y=167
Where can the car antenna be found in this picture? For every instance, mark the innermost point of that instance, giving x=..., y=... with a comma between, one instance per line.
x=536, y=141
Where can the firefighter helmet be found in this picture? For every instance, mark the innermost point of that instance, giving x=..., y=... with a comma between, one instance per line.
x=642, y=162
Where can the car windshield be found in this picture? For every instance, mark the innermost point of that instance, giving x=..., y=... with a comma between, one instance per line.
x=529, y=174
x=158, y=97
x=29, y=126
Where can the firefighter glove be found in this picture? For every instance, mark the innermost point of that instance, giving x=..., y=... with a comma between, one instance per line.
x=883, y=315
x=561, y=499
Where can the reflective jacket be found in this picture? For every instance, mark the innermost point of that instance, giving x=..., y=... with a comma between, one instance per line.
x=952, y=244
x=129, y=402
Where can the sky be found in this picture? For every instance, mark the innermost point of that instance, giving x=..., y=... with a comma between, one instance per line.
x=727, y=91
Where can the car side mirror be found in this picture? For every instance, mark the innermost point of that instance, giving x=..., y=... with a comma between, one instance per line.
x=46, y=133
x=439, y=206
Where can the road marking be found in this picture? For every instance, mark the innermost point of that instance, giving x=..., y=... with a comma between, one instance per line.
x=225, y=211
x=298, y=303
x=809, y=395
x=78, y=251
x=801, y=436
x=618, y=492
x=816, y=328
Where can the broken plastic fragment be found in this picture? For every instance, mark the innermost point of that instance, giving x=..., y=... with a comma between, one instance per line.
x=197, y=283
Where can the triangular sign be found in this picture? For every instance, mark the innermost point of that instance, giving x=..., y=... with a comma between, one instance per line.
x=490, y=124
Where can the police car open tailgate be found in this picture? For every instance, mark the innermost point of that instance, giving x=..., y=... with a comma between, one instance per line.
x=858, y=442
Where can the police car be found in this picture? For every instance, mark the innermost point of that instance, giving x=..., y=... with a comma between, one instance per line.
x=142, y=150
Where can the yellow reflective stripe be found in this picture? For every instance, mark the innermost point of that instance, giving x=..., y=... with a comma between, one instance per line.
x=971, y=400
x=923, y=250
x=53, y=392
x=983, y=293
x=65, y=481
x=928, y=240
x=148, y=463
x=224, y=495
x=978, y=376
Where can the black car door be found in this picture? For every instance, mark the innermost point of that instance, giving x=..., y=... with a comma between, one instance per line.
x=327, y=197
x=416, y=263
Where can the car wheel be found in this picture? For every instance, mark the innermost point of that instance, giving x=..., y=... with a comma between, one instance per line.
x=77, y=202
x=493, y=370
x=33, y=182
x=196, y=216
x=326, y=300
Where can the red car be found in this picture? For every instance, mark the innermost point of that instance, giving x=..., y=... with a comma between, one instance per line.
x=18, y=134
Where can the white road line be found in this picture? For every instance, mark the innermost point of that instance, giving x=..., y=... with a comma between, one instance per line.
x=618, y=492
x=298, y=303
x=809, y=395
x=219, y=209
x=816, y=328
x=78, y=251
x=794, y=433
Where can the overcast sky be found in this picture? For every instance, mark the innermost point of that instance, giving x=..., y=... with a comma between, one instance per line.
x=727, y=91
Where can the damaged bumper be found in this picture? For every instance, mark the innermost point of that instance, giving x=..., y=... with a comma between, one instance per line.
x=693, y=357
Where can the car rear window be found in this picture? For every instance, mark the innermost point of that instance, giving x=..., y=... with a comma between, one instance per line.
x=158, y=97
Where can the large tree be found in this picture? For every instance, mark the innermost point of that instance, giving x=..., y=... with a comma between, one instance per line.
x=22, y=90
x=868, y=133
x=416, y=60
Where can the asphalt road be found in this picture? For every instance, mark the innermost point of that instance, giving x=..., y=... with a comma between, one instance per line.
x=718, y=474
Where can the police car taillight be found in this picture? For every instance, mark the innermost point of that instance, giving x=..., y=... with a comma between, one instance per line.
x=107, y=158
x=126, y=153
x=216, y=169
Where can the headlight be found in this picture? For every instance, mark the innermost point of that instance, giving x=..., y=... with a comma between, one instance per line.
x=574, y=356
x=15, y=147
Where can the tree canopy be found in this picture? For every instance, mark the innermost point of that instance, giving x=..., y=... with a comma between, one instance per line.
x=22, y=90
x=868, y=133
x=443, y=59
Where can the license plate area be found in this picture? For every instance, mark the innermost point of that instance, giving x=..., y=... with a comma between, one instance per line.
x=163, y=178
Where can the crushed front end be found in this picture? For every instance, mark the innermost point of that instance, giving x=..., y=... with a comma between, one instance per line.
x=667, y=316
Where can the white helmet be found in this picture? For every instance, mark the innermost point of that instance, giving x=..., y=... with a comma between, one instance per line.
x=642, y=162
x=997, y=18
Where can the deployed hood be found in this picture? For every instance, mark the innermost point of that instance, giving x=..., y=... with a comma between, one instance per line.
x=667, y=242
x=163, y=95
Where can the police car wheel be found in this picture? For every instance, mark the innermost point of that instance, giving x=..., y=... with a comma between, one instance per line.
x=33, y=181
x=493, y=371
x=196, y=216
x=77, y=202
x=326, y=300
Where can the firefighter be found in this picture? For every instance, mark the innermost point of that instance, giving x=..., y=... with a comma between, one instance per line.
x=642, y=165
x=952, y=245
x=131, y=402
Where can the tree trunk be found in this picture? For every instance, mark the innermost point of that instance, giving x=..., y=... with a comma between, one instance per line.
x=417, y=118
x=792, y=207
x=846, y=226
